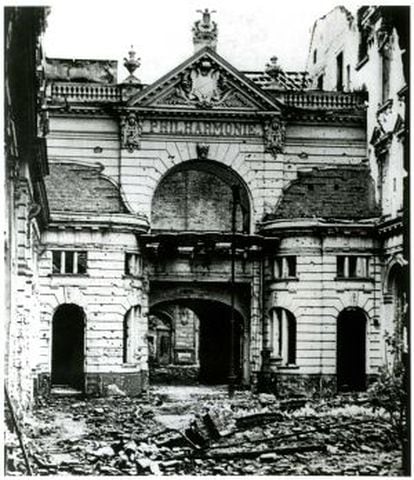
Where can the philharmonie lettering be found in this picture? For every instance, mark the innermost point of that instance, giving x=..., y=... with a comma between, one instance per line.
x=181, y=127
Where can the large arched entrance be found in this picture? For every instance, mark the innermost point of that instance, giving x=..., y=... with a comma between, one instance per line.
x=68, y=346
x=351, y=350
x=198, y=255
x=200, y=337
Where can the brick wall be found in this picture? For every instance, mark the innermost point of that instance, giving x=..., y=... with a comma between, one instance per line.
x=341, y=192
x=192, y=200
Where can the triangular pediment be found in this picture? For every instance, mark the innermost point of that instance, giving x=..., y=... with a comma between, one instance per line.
x=205, y=81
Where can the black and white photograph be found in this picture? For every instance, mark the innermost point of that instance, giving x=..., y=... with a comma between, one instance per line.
x=206, y=232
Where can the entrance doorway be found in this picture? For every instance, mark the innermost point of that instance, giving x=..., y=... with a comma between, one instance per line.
x=351, y=350
x=214, y=353
x=197, y=342
x=68, y=346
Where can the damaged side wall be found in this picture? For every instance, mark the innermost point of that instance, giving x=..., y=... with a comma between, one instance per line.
x=106, y=294
x=316, y=298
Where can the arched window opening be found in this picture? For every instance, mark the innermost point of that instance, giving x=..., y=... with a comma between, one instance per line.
x=283, y=336
x=130, y=335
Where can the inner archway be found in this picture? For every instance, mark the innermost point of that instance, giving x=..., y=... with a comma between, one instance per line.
x=68, y=346
x=200, y=341
x=197, y=196
x=351, y=350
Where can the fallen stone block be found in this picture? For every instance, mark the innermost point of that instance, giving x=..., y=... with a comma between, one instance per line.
x=170, y=464
x=103, y=452
x=114, y=390
x=269, y=457
x=257, y=419
x=282, y=450
x=267, y=398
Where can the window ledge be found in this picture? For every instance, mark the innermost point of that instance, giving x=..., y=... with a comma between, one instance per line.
x=71, y=275
x=362, y=62
x=286, y=279
x=384, y=106
x=129, y=365
x=128, y=276
x=402, y=92
x=288, y=367
x=354, y=279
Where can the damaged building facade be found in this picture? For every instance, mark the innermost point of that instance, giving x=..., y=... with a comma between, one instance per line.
x=214, y=226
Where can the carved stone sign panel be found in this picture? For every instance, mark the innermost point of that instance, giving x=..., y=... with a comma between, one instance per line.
x=211, y=128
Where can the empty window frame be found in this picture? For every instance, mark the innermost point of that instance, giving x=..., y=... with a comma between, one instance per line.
x=340, y=72
x=283, y=336
x=69, y=262
x=385, y=73
x=348, y=78
x=363, y=44
x=320, y=82
x=133, y=264
x=352, y=266
x=284, y=267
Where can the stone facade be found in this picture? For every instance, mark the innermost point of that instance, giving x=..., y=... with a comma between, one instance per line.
x=375, y=49
x=215, y=223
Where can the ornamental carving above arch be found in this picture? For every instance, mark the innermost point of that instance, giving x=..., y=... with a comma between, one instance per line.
x=274, y=134
x=131, y=131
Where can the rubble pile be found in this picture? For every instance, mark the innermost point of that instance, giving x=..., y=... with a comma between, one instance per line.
x=209, y=435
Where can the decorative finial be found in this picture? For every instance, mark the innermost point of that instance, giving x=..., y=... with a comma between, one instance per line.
x=205, y=31
x=132, y=63
x=273, y=68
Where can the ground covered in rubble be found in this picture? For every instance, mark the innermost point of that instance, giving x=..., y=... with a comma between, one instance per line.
x=201, y=431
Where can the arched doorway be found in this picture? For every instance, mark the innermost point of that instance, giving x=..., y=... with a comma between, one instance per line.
x=198, y=340
x=351, y=350
x=215, y=343
x=68, y=346
x=395, y=324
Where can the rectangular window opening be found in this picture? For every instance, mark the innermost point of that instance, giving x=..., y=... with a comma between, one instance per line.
x=284, y=267
x=352, y=266
x=133, y=264
x=320, y=82
x=69, y=262
x=340, y=72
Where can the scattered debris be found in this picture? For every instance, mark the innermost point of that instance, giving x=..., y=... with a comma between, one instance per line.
x=127, y=436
